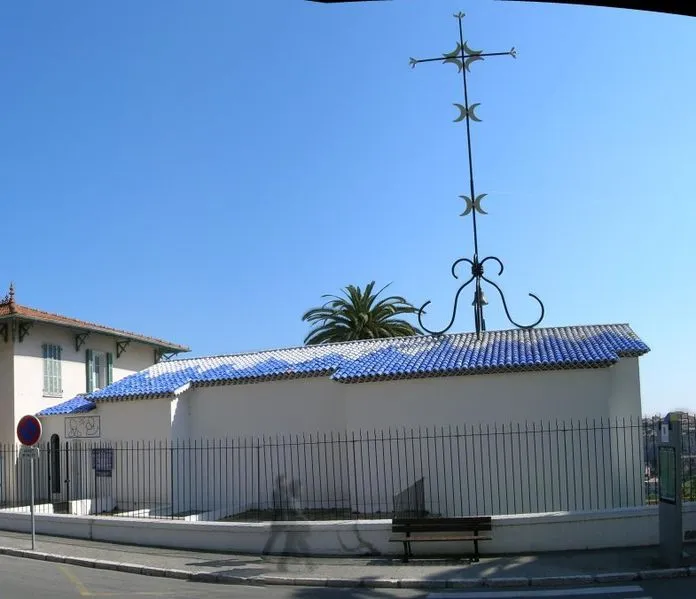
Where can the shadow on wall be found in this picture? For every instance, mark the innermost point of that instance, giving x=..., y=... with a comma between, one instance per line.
x=287, y=507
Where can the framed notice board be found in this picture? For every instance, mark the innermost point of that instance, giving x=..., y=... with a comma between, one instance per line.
x=667, y=471
x=103, y=461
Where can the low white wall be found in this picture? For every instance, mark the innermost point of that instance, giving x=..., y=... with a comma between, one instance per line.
x=83, y=507
x=629, y=527
x=626, y=527
x=40, y=508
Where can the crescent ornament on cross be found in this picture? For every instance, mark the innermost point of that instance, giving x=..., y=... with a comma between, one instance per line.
x=468, y=61
x=468, y=51
x=474, y=205
x=453, y=57
x=465, y=112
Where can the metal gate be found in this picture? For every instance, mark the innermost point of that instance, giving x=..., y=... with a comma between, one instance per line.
x=58, y=465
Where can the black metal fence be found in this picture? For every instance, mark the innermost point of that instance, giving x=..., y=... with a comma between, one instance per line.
x=449, y=471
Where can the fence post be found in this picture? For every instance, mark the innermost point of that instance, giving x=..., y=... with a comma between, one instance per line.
x=355, y=475
x=258, y=475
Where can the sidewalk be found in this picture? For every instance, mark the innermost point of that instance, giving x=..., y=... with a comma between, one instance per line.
x=571, y=568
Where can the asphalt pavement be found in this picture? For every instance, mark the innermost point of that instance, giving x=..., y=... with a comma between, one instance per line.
x=90, y=568
x=21, y=578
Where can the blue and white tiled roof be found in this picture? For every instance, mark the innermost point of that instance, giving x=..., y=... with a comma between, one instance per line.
x=386, y=359
x=77, y=405
x=496, y=351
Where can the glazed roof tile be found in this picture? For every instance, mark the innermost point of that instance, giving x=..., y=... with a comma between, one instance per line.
x=516, y=350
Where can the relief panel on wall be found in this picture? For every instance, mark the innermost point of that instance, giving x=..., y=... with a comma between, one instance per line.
x=82, y=427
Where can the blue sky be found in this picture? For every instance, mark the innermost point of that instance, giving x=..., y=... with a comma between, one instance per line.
x=204, y=171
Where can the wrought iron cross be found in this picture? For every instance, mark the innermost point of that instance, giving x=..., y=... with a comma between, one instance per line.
x=463, y=57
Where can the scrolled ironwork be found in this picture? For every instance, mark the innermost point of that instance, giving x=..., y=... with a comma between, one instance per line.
x=454, y=311
x=507, y=312
x=478, y=275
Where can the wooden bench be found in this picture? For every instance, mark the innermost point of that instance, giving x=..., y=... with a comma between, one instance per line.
x=414, y=530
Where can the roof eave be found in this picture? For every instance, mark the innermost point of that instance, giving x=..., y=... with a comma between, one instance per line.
x=135, y=397
x=67, y=413
x=170, y=348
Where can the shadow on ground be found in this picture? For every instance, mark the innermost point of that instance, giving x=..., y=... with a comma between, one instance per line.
x=435, y=570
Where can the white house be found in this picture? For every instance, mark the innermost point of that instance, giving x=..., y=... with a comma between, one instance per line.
x=46, y=358
x=463, y=423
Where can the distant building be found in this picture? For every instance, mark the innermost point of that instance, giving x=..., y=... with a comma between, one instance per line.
x=46, y=358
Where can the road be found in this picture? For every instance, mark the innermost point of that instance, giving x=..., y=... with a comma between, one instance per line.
x=20, y=578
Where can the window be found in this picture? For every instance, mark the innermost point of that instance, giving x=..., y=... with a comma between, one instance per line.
x=53, y=384
x=99, y=370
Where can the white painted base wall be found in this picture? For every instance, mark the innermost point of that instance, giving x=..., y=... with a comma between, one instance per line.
x=631, y=527
x=84, y=507
x=76, y=507
x=39, y=508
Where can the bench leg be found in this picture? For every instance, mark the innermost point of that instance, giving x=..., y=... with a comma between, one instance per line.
x=476, y=551
x=407, y=548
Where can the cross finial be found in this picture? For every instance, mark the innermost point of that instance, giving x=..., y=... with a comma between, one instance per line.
x=9, y=299
x=463, y=57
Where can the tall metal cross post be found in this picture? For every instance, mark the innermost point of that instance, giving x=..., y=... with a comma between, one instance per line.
x=463, y=56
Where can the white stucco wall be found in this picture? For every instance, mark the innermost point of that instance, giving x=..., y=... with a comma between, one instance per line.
x=7, y=421
x=626, y=414
x=119, y=421
x=402, y=436
x=485, y=463
x=494, y=398
x=142, y=420
x=142, y=461
x=293, y=406
x=28, y=364
x=137, y=431
x=475, y=443
x=625, y=391
x=318, y=404
x=262, y=430
x=7, y=430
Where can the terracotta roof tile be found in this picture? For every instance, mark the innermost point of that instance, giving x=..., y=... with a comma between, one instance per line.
x=9, y=309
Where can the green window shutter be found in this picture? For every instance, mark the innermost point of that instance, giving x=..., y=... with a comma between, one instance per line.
x=50, y=370
x=45, y=367
x=59, y=369
x=89, y=366
x=109, y=368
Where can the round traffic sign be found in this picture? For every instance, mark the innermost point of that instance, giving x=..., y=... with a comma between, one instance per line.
x=29, y=430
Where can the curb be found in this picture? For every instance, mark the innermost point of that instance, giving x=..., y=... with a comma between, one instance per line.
x=375, y=583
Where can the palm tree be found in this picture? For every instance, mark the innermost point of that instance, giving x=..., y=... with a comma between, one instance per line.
x=359, y=315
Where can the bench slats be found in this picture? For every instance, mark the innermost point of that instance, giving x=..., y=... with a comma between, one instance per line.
x=451, y=529
x=435, y=526
x=450, y=538
x=468, y=519
x=440, y=528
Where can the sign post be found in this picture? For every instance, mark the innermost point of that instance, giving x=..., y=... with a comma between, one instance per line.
x=670, y=476
x=29, y=433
